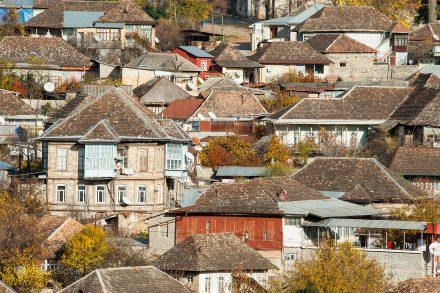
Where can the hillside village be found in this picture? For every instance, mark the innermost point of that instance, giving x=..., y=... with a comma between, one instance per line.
x=215, y=146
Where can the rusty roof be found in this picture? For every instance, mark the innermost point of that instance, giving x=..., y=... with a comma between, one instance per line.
x=289, y=53
x=216, y=252
x=347, y=19
x=125, y=117
x=337, y=43
x=41, y=51
x=182, y=108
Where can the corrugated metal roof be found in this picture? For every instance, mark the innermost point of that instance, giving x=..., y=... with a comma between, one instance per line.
x=372, y=224
x=297, y=19
x=325, y=208
x=196, y=51
x=79, y=19
x=240, y=171
x=333, y=194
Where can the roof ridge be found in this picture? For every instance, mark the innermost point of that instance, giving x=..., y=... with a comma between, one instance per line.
x=384, y=169
x=98, y=274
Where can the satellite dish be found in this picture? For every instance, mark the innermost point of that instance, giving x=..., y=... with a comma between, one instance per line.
x=189, y=156
x=126, y=200
x=156, y=40
x=212, y=115
x=435, y=37
x=97, y=38
x=49, y=87
x=2, y=120
x=200, y=80
x=201, y=117
x=190, y=85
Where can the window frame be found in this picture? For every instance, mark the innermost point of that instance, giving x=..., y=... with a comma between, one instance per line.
x=58, y=192
x=139, y=194
x=208, y=284
x=204, y=65
x=61, y=159
x=78, y=192
x=124, y=158
x=97, y=193
x=174, y=157
x=120, y=198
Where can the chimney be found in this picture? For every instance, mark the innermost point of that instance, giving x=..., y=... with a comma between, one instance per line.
x=282, y=195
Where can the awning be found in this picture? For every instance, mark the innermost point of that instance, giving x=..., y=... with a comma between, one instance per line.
x=370, y=224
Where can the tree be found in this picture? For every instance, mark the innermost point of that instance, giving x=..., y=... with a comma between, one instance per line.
x=228, y=151
x=86, y=250
x=424, y=210
x=276, y=151
x=342, y=269
x=10, y=25
x=25, y=275
x=399, y=10
x=380, y=145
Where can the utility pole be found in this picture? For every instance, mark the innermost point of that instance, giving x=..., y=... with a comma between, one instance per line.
x=432, y=8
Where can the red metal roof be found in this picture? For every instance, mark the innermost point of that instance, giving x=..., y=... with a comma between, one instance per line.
x=182, y=109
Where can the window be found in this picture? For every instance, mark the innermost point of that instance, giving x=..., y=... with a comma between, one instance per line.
x=143, y=161
x=142, y=194
x=319, y=69
x=123, y=156
x=100, y=193
x=81, y=193
x=400, y=41
x=174, y=156
x=44, y=155
x=99, y=160
x=207, y=284
x=289, y=256
x=307, y=36
x=190, y=279
x=221, y=283
x=265, y=236
x=342, y=64
x=62, y=159
x=273, y=31
x=81, y=159
x=108, y=34
x=208, y=227
x=433, y=140
x=121, y=193
x=204, y=65
x=292, y=222
x=61, y=193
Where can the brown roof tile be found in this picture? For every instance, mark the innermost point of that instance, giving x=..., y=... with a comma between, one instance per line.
x=159, y=91
x=127, y=279
x=346, y=19
x=230, y=103
x=362, y=180
x=181, y=109
x=426, y=33
x=287, y=53
x=221, y=252
x=416, y=161
x=12, y=105
x=360, y=103
x=338, y=43
x=127, y=11
x=258, y=196
x=48, y=51
x=126, y=116
x=226, y=55
x=421, y=285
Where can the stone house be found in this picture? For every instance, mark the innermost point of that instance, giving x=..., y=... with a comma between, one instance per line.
x=155, y=65
x=206, y=262
x=424, y=44
x=349, y=57
x=127, y=279
x=346, y=120
x=25, y=55
x=279, y=58
x=88, y=22
x=361, y=23
x=112, y=155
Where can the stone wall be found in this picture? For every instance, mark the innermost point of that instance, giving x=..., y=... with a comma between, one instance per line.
x=161, y=234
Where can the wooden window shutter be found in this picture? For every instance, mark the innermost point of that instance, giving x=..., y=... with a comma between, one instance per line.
x=150, y=160
x=143, y=161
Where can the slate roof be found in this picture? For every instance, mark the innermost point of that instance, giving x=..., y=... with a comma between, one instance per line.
x=217, y=252
x=132, y=279
x=69, y=107
x=259, y=196
x=226, y=55
x=128, y=12
x=337, y=43
x=124, y=117
x=181, y=109
x=159, y=91
x=230, y=103
x=420, y=108
x=347, y=19
x=421, y=80
x=53, y=17
x=163, y=61
x=427, y=33
x=48, y=51
x=196, y=51
x=12, y=105
x=360, y=180
x=422, y=161
x=420, y=285
x=289, y=53
x=360, y=103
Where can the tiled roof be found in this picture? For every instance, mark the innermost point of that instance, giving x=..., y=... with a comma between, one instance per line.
x=289, y=53
x=12, y=105
x=69, y=107
x=338, y=43
x=360, y=103
x=416, y=161
x=159, y=91
x=127, y=11
x=226, y=55
x=181, y=109
x=317, y=87
x=163, y=61
x=127, y=279
x=125, y=115
x=420, y=285
x=346, y=19
x=217, y=252
x=426, y=33
x=230, y=103
x=360, y=180
x=5, y=288
x=53, y=17
x=258, y=196
x=47, y=51
x=44, y=4
x=398, y=28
